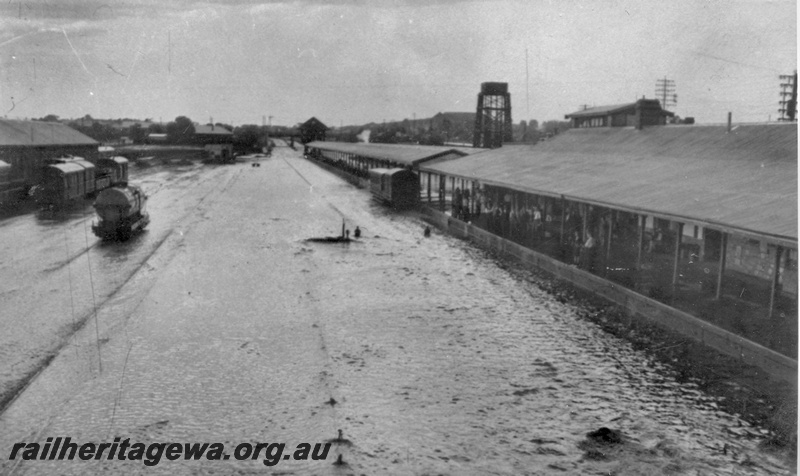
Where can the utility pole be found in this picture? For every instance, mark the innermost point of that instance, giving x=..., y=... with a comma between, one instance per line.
x=527, y=89
x=788, y=108
x=665, y=90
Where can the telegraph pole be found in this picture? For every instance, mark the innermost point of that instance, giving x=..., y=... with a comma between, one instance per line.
x=665, y=90
x=788, y=108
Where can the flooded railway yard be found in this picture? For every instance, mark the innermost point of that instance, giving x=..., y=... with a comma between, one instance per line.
x=224, y=323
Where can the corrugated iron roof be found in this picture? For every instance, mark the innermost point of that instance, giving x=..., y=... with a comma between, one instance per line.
x=745, y=179
x=406, y=154
x=36, y=133
x=593, y=111
x=613, y=109
x=208, y=129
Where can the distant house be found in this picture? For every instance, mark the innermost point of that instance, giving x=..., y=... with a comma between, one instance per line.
x=644, y=112
x=311, y=130
x=216, y=140
x=157, y=138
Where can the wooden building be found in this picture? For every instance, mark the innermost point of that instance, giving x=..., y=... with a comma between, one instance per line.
x=644, y=112
x=312, y=130
x=217, y=141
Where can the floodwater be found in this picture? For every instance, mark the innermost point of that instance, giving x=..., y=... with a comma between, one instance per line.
x=224, y=324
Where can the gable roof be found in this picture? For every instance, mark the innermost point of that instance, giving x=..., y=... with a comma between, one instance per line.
x=744, y=180
x=37, y=133
x=617, y=108
x=601, y=110
x=313, y=123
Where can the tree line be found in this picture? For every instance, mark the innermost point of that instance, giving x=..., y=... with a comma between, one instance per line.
x=180, y=131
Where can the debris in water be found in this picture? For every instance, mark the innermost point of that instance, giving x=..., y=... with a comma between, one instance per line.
x=605, y=435
x=339, y=461
x=340, y=440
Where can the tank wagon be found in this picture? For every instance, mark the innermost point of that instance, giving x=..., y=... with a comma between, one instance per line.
x=398, y=188
x=120, y=212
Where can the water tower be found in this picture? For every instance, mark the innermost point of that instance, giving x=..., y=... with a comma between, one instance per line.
x=493, y=117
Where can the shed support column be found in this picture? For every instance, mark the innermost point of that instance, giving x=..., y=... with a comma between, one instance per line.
x=723, y=255
x=608, y=242
x=442, y=191
x=584, y=218
x=561, y=240
x=776, y=275
x=471, y=198
x=640, y=249
x=676, y=264
x=429, y=187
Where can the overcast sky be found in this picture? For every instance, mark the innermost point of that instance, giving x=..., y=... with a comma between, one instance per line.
x=353, y=62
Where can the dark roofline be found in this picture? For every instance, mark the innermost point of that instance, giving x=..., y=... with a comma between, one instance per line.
x=615, y=108
x=312, y=121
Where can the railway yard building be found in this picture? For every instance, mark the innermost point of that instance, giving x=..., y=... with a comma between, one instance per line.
x=313, y=130
x=644, y=112
x=217, y=141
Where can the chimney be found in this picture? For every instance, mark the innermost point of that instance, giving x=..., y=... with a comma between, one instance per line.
x=730, y=121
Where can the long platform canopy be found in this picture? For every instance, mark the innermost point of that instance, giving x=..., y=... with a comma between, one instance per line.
x=743, y=180
x=405, y=154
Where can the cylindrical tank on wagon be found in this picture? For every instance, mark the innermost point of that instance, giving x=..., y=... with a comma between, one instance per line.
x=130, y=199
x=121, y=211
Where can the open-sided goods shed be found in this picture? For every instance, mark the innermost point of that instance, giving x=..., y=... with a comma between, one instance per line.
x=391, y=155
x=743, y=180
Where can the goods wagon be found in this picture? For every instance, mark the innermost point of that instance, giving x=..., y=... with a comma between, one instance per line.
x=111, y=171
x=398, y=188
x=66, y=179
